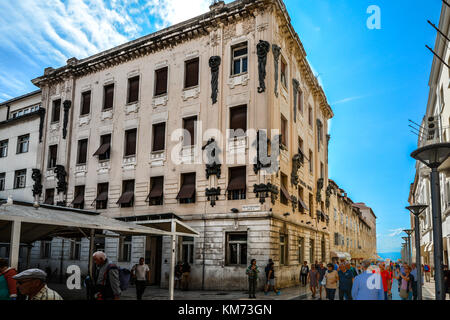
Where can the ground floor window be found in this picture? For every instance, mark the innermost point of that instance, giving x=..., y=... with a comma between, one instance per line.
x=125, y=248
x=323, y=250
x=75, y=249
x=236, y=244
x=301, y=250
x=187, y=250
x=46, y=249
x=311, y=250
x=283, y=249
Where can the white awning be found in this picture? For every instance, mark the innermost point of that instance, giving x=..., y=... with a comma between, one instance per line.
x=341, y=255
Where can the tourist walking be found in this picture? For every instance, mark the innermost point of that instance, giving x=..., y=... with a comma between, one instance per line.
x=270, y=278
x=252, y=273
x=406, y=280
x=32, y=284
x=353, y=270
x=186, y=271
x=367, y=285
x=322, y=270
x=304, y=270
x=387, y=280
x=345, y=282
x=331, y=280
x=8, y=289
x=313, y=279
x=141, y=273
x=106, y=278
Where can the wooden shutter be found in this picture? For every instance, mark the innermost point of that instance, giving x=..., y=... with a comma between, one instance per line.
x=161, y=81
x=189, y=126
x=237, y=179
x=159, y=132
x=191, y=73
x=105, y=145
x=133, y=89
x=86, y=103
x=127, y=193
x=238, y=118
x=188, y=187
x=157, y=184
x=82, y=151
x=130, y=142
x=109, y=97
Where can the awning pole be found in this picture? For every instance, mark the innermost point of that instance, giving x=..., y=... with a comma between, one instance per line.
x=172, y=260
x=91, y=252
x=14, y=245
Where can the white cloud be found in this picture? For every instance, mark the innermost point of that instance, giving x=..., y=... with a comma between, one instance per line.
x=395, y=232
x=348, y=99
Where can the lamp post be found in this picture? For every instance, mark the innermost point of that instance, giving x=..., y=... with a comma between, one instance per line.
x=433, y=155
x=406, y=258
x=409, y=232
x=416, y=210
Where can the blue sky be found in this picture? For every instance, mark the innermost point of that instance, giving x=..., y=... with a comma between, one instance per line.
x=375, y=80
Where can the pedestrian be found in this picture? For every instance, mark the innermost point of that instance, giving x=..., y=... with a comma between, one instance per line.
x=386, y=278
x=186, y=271
x=252, y=273
x=330, y=281
x=406, y=291
x=322, y=270
x=106, y=278
x=367, y=285
x=427, y=272
x=446, y=281
x=353, y=269
x=414, y=283
x=178, y=274
x=304, y=272
x=345, y=281
x=313, y=277
x=8, y=290
x=32, y=284
x=270, y=278
x=141, y=273
x=389, y=269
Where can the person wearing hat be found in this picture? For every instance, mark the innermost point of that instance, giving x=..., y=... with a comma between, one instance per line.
x=31, y=283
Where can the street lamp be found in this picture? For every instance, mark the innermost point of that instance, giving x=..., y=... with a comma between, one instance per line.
x=433, y=155
x=409, y=232
x=416, y=210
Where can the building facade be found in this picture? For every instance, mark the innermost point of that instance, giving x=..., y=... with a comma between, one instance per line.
x=435, y=128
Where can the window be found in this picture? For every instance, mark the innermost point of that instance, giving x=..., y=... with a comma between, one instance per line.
x=236, y=183
x=159, y=135
x=301, y=249
x=310, y=116
x=336, y=239
x=187, y=190
x=284, y=197
x=189, y=131
x=46, y=249
x=104, y=151
x=283, y=250
x=187, y=250
x=101, y=202
x=310, y=161
x=319, y=134
x=311, y=250
x=52, y=156
x=161, y=81
x=311, y=204
x=4, y=148
x=82, y=151
x=49, y=196
x=24, y=111
x=56, y=111
x=335, y=215
x=302, y=206
x=78, y=199
x=2, y=181
x=300, y=100
x=126, y=200
x=283, y=131
x=239, y=55
x=236, y=248
x=238, y=121
x=130, y=142
x=191, y=73
x=283, y=77
x=322, y=174
x=300, y=145
x=20, y=178
x=322, y=250
x=85, y=103
x=108, y=96
x=133, y=89
x=23, y=143
x=75, y=250
x=156, y=195
x=125, y=249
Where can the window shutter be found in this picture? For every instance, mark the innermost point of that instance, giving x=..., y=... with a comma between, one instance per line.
x=82, y=151
x=191, y=73
x=238, y=118
x=86, y=103
x=237, y=179
x=159, y=131
x=161, y=81
x=133, y=89
x=130, y=144
x=109, y=97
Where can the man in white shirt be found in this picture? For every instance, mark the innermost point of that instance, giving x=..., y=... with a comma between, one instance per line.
x=141, y=273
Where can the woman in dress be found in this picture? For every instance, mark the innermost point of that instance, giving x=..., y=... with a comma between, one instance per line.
x=313, y=278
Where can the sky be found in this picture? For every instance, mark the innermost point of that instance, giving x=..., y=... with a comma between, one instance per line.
x=374, y=79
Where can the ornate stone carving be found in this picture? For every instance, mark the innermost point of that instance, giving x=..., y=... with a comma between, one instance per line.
x=319, y=189
x=294, y=201
x=66, y=107
x=260, y=136
x=295, y=86
x=213, y=165
x=262, y=48
x=212, y=195
x=297, y=161
x=214, y=63
x=41, y=123
x=37, y=186
x=276, y=50
x=262, y=192
x=328, y=193
x=61, y=177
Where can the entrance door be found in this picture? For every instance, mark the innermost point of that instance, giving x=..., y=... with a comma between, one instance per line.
x=153, y=257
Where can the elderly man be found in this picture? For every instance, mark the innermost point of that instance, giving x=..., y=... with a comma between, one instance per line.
x=368, y=285
x=106, y=278
x=31, y=283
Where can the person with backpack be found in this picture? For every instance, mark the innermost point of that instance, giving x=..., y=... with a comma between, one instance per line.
x=106, y=278
x=141, y=273
x=8, y=290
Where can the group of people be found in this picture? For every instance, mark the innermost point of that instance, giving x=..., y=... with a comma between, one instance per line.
x=182, y=272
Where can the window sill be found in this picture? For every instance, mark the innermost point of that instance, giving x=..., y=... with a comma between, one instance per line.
x=160, y=100
x=192, y=92
x=238, y=80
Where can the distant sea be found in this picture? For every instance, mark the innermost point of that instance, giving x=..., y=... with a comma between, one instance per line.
x=394, y=256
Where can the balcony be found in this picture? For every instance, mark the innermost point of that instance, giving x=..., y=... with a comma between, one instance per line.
x=157, y=158
x=103, y=167
x=50, y=174
x=80, y=170
x=129, y=162
x=131, y=108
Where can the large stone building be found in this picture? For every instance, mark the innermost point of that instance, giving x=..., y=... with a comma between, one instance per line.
x=437, y=114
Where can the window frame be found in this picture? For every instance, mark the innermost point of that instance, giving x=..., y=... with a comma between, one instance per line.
x=50, y=158
x=240, y=58
x=54, y=111
x=239, y=248
x=4, y=144
x=186, y=62
x=83, y=112
x=130, y=79
x=21, y=143
x=22, y=175
x=2, y=181
x=127, y=132
x=155, y=93
x=105, y=87
x=79, y=149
